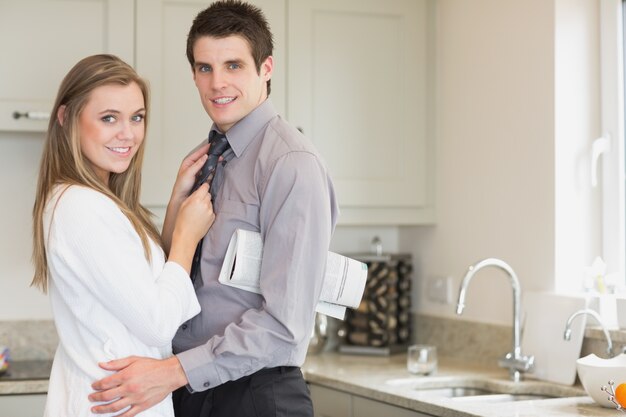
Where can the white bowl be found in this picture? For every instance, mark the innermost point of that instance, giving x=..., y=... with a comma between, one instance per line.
x=595, y=372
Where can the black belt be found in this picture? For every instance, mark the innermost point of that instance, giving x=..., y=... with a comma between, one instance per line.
x=276, y=370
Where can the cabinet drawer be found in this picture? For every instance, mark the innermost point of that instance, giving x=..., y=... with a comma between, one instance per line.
x=23, y=405
x=330, y=403
x=364, y=407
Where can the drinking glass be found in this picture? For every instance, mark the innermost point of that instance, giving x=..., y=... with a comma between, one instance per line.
x=421, y=359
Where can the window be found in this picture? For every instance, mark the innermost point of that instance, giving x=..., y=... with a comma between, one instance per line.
x=609, y=149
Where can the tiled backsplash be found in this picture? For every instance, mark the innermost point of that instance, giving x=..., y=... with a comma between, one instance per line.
x=29, y=339
x=475, y=342
x=595, y=342
x=486, y=343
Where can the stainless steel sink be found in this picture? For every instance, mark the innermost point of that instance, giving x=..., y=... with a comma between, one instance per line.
x=504, y=398
x=483, y=389
x=477, y=394
x=453, y=392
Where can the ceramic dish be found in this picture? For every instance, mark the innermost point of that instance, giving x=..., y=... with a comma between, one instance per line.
x=596, y=373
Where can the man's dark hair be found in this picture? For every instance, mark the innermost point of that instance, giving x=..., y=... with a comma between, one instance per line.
x=233, y=17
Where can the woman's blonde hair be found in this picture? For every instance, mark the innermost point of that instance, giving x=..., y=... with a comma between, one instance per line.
x=63, y=162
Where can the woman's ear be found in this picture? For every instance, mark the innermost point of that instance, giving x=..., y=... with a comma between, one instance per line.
x=61, y=114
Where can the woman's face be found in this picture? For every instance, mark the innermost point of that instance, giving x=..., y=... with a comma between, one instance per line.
x=112, y=127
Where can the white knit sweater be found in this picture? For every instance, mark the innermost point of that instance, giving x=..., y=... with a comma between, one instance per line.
x=108, y=301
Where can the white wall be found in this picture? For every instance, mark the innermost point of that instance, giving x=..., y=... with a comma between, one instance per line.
x=19, y=162
x=501, y=116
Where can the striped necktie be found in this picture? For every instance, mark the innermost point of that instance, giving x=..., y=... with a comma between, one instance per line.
x=218, y=146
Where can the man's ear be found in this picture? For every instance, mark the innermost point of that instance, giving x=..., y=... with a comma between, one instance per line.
x=267, y=67
x=61, y=114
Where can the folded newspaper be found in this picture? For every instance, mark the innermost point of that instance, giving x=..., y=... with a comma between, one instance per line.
x=344, y=280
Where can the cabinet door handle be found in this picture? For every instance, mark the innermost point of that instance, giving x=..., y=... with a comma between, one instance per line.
x=32, y=115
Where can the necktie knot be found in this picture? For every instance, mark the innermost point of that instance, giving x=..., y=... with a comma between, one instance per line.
x=219, y=144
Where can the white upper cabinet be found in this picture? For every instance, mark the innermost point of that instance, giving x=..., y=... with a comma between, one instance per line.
x=357, y=76
x=41, y=40
x=360, y=85
x=178, y=121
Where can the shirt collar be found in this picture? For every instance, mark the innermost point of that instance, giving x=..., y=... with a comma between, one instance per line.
x=244, y=131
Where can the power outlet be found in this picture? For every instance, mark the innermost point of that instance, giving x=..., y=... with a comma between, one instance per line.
x=439, y=289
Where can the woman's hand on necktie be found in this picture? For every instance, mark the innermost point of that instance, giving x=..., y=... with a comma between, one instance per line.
x=189, y=168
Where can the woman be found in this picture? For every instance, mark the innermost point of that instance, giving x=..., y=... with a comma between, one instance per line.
x=95, y=248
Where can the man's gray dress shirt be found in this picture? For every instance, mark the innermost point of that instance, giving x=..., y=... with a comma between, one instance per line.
x=275, y=183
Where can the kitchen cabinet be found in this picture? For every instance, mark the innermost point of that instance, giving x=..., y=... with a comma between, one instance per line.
x=360, y=85
x=40, y=40
x=356, y=76
x=23, y=405
x=364, y=407
x=178, y=121
x=332, y=403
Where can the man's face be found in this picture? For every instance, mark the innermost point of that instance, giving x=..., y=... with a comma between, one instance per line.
x=227, y=79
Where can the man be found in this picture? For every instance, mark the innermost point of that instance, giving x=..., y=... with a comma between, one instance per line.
x=241, y=355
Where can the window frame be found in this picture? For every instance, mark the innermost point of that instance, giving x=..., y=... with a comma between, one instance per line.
x=612, y=121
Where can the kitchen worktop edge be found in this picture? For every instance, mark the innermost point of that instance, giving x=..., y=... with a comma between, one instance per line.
x=370, y=377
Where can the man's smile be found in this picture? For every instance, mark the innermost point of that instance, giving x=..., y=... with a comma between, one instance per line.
x=223, y=100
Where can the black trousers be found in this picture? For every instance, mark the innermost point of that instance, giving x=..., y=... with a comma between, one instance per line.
x=273, y=392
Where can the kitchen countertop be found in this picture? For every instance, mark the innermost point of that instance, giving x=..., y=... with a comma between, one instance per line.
x=26, y=377
x=386, y=379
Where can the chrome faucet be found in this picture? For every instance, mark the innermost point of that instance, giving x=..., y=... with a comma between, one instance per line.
x=567, y=335
x=514, y=361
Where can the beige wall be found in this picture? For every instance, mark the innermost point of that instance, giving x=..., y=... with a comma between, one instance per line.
x=501, y=117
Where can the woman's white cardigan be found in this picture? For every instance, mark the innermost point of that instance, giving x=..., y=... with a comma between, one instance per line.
x=108, y=300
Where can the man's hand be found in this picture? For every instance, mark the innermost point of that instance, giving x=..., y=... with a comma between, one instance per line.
x=139, y=382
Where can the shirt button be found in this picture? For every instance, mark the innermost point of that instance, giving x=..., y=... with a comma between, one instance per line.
x=184, y=326
x=206, y=384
